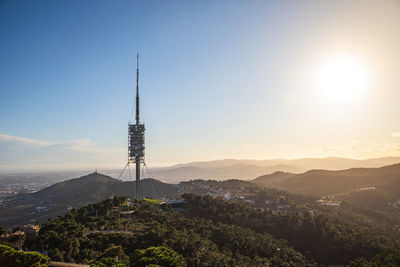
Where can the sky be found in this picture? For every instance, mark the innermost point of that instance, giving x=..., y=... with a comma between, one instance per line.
x=218, y=79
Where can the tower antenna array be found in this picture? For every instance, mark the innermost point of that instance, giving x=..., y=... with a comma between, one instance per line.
x=137, y=90
x=136, y=138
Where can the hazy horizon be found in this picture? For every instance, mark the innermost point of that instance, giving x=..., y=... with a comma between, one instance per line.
x=39, y=169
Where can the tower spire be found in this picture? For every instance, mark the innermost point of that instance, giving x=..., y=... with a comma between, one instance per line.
x=136, y=138
x=137, y=89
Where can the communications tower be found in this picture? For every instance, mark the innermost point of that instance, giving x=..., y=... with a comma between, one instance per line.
x=136, y=138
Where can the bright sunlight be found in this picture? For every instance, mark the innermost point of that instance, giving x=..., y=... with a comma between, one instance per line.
x=342, y=79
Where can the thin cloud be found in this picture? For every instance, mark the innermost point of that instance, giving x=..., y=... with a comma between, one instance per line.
x=83, y=145
x=21, y=140
x=396, y=134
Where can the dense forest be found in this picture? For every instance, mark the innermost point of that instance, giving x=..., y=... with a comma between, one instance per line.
x=207, y=231
x=84, y=234
x=322, y=239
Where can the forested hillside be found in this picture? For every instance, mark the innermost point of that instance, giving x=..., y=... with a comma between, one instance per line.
x=322, y=239
x=205, y=231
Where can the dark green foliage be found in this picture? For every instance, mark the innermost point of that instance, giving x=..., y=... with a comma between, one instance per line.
x=208, y=232
x=388, y=258
x=99, y=232
x=163, y=256
x=113, y=256
x=10, y=257
x=109, y=262
x=320, y=239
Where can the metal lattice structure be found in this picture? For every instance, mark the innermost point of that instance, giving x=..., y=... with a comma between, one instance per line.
x=136, y=143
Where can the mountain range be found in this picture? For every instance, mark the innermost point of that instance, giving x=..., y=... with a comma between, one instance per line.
x=325, y=182
x=60, y=197
x=250, y=169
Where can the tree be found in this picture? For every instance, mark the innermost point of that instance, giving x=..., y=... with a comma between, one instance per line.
x=163, y=256
x=10, y=257
x=3, y=230
x=113, y=256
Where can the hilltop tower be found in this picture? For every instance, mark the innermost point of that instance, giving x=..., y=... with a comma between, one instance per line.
x=136, y=138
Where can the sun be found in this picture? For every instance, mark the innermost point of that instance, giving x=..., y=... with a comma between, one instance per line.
x=342, y=79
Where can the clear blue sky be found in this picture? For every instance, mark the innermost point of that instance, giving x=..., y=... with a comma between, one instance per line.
x=218, y=79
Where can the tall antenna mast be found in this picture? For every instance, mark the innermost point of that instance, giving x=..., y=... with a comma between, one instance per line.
x=136, y=139
x=137, y=89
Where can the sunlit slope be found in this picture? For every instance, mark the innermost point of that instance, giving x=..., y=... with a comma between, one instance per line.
x=273, y=178
x=323, y=182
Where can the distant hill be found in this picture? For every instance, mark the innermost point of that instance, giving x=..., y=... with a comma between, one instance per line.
x=96, y=186
x=250, y=169
x=235, y=171
x=273, y=178
x=60, y=197
x=324, y=182
x=87, y=188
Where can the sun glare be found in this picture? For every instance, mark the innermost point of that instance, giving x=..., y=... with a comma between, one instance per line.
x=342, y=79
